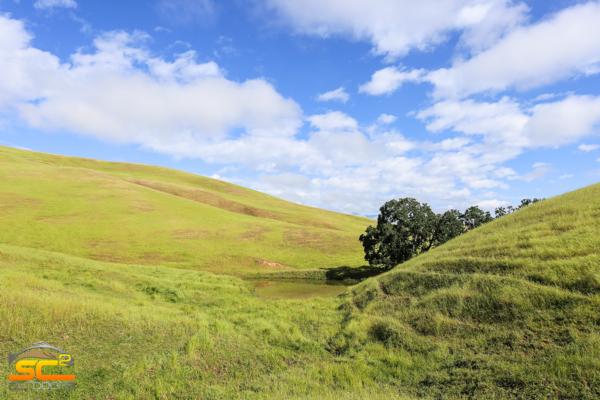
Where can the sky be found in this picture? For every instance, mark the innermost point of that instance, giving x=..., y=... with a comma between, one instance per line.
x=339, y=104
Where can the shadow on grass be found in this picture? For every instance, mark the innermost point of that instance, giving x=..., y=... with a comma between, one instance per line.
x=345, y=273
x=342, y=275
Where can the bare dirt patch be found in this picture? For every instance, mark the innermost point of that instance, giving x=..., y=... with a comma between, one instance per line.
x=270, y=264
x=190, y=234
x=59, y=219
x=254, y=233
x=12, y=201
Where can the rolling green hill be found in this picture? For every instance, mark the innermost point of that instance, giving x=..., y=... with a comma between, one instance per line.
x=511, y=309
x=147, y=215
x=87, y=256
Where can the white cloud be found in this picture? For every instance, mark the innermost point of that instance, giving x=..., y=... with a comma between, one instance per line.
x=338, y=94
x=492, y=204
x=499, y=121
x=386, y=119
x=538, y=170
x=334, y=120
x=560, y=47
x=489, y=21
x=389, y=79
x=563, y=122
x=120, y=92
x=454, y=143
x=48, y=4
x=394, y=27
x=505, y=122
x=586, y=148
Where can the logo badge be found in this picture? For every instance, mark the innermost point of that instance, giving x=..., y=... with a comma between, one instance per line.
x=41, y=367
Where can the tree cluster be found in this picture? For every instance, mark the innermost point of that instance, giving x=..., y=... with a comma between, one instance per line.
x=502, y=211
x=406, y=228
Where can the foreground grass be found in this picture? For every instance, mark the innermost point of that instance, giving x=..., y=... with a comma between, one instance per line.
x=161, y=333
x=138, y=214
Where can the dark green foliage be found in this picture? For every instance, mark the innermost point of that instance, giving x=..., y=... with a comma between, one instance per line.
x=449, y=226
x=404, y=228
x=526, y=202
x=166, y=293
x=474, y=217
x=502, y=211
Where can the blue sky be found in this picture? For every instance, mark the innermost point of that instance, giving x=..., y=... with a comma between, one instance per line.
x=337, y=104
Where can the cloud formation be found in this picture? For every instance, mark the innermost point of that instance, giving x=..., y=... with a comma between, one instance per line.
x=390, y=79
x=586, y=148
x=394, y=27
x=560, y=47
x=549, y=124
x=557, y=48
x=49, y=4
x=338, y=94
x=184, y=106
x=121, y=92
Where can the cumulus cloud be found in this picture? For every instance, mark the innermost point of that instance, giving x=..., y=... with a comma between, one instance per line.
x=490, y=21
x=121, y=92
x=548, y=124
x=389, y=79
x=49, y=4
x=501, y=120
x=502, y=131
x=538, y=170
x=492, y=204
x=586, y=148
x=334, y=120
x=386, y=119
x=560, y=47
x=338, y=94
x=563, y=122
x=181, y=106
x=394, y=27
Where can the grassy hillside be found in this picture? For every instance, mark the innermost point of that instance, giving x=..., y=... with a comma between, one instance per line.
x=87, y=250
x=152, y=332
x=148, y=215
x=508, y=310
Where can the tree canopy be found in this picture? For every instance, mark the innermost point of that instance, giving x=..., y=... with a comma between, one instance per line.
x=405, y=228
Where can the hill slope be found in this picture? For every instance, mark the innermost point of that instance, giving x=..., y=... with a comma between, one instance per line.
x=511, y=309
x=149, y=215
x=154, y=332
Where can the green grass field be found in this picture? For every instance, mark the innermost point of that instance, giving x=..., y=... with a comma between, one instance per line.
x=152, y=332
x=155, y=216
x=123, y=266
